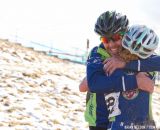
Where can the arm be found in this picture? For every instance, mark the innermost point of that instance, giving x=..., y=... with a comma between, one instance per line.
x=118, y=81
x=100, y=83
x=144, y=82
x=83, y=87
x=144, y=65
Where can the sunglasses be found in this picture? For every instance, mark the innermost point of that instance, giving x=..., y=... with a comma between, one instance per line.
x=114, y=38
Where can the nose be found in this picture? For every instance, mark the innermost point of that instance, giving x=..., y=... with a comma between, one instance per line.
x=118, y=43
x=111, y=44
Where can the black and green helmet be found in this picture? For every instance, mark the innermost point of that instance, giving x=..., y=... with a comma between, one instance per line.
x=110, y=23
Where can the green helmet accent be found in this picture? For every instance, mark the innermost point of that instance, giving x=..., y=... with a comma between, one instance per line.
x=140, y=40
x=109, y=23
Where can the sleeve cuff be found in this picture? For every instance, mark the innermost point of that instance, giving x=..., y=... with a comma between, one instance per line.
x=129, y=82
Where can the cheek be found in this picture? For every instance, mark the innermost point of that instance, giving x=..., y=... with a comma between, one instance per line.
x=119, y=43
x=106, y=45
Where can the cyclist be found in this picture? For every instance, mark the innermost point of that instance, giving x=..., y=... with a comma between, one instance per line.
x=110, y=26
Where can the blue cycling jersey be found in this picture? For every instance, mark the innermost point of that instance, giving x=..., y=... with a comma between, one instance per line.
x=133, y=104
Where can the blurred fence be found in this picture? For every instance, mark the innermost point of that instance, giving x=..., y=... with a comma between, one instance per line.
x=73, y=54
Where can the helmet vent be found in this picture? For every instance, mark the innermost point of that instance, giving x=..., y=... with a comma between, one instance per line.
x=155, y=40
x=143, y=40
x=134, y=33
x=109, y=24
x=127, y=38
x=151, y=31
x=138, y=35
x=149, y=42
x=142, y=54
x=135, y=46
x=146, y=50
x=124, y=43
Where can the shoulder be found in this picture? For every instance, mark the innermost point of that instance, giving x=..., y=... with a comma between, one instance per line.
x=93, y=51
x=94, y=57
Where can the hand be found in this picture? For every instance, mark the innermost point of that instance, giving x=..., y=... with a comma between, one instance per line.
x=144, y=82
x=83, y=87
x=111, y=64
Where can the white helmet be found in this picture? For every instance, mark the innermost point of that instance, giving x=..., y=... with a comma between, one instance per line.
x=140, y=40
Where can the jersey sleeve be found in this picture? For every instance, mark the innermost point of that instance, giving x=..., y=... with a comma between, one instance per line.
x=145, y=65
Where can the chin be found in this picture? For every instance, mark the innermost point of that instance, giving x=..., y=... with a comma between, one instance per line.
x=114, y=53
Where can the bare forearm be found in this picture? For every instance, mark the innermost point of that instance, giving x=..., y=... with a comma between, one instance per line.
x=83, y=87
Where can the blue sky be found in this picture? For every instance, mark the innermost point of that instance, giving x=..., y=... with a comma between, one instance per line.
x=68, y=23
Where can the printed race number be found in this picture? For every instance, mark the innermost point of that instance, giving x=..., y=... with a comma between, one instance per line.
x=112, y=103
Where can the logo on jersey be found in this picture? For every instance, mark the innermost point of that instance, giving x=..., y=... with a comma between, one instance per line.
x=129, y=95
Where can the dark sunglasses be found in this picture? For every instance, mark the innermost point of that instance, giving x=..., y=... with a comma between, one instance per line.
x=114, y=38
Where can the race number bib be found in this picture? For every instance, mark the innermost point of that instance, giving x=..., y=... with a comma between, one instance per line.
x=112, y=103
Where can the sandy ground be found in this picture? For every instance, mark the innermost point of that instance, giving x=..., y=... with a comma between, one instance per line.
x=39, y=92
